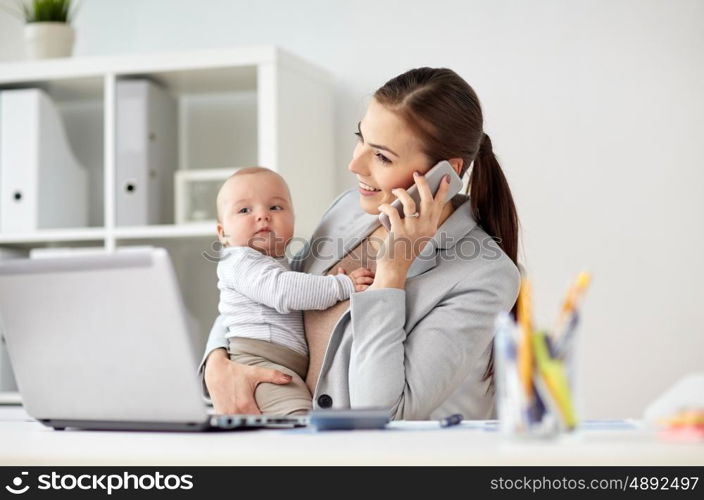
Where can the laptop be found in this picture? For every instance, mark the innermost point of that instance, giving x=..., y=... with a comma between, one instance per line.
x=103, y=342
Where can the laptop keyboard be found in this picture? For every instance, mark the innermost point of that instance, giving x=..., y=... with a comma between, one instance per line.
x=257, y=421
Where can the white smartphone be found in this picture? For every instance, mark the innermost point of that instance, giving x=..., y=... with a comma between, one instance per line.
x=433, y=177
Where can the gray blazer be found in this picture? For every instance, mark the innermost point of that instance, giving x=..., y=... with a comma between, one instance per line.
x=421, y=352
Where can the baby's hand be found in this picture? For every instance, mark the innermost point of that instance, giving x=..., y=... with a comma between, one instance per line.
x=361, y=277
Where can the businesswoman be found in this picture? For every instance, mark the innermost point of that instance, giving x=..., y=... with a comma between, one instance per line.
x=418, y=340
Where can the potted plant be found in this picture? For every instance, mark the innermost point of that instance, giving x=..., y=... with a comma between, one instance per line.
x=48, y=32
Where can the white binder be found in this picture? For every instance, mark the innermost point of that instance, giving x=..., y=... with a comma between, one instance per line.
x=7, y=378
x=42, y=185
x=146, y=153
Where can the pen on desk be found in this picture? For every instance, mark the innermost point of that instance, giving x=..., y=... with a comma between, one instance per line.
x=451, y=420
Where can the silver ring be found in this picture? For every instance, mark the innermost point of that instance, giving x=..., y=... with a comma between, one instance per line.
x=414, y=215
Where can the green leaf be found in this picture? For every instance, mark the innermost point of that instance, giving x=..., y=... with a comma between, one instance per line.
x=57, y=11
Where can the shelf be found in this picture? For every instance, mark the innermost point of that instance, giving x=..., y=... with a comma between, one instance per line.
x=195, y=230
x=211, y=80
x=50, y=235
x=64, y=90
x=239, y=64
x=256, y=105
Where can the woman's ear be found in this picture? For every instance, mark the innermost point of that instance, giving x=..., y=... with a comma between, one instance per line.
x=457, y=164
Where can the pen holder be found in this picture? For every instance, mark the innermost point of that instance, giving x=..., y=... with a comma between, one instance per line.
x=534, y=382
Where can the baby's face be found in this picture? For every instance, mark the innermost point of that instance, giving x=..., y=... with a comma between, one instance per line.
x=256, y=211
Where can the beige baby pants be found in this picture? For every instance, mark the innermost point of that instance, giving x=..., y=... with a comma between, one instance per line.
x=273, y=399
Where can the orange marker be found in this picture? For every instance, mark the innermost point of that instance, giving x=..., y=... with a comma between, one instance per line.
x=525, y=351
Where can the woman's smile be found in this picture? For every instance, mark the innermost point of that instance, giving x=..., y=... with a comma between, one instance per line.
x=367, y=190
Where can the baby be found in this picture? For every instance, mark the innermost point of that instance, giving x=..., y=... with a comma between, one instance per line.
x=261, y=299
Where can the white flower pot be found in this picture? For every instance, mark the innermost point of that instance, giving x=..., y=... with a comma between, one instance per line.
x=49, y=40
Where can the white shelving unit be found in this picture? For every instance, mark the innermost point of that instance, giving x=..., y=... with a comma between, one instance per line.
x=236, y=107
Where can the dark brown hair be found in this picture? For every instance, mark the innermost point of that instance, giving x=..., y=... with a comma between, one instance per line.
x=445, y=114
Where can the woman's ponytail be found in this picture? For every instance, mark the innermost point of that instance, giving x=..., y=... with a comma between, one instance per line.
x=491, y=200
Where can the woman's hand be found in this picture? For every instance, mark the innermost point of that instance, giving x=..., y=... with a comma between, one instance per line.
x=231, y=385
x=409, y=235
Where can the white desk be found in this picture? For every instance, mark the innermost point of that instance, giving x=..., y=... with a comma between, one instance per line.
x=25, y=442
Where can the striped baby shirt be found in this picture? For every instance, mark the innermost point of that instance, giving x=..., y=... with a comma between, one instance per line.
x=262, y=299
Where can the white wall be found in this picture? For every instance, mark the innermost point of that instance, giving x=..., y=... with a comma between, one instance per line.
x=595, y=108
